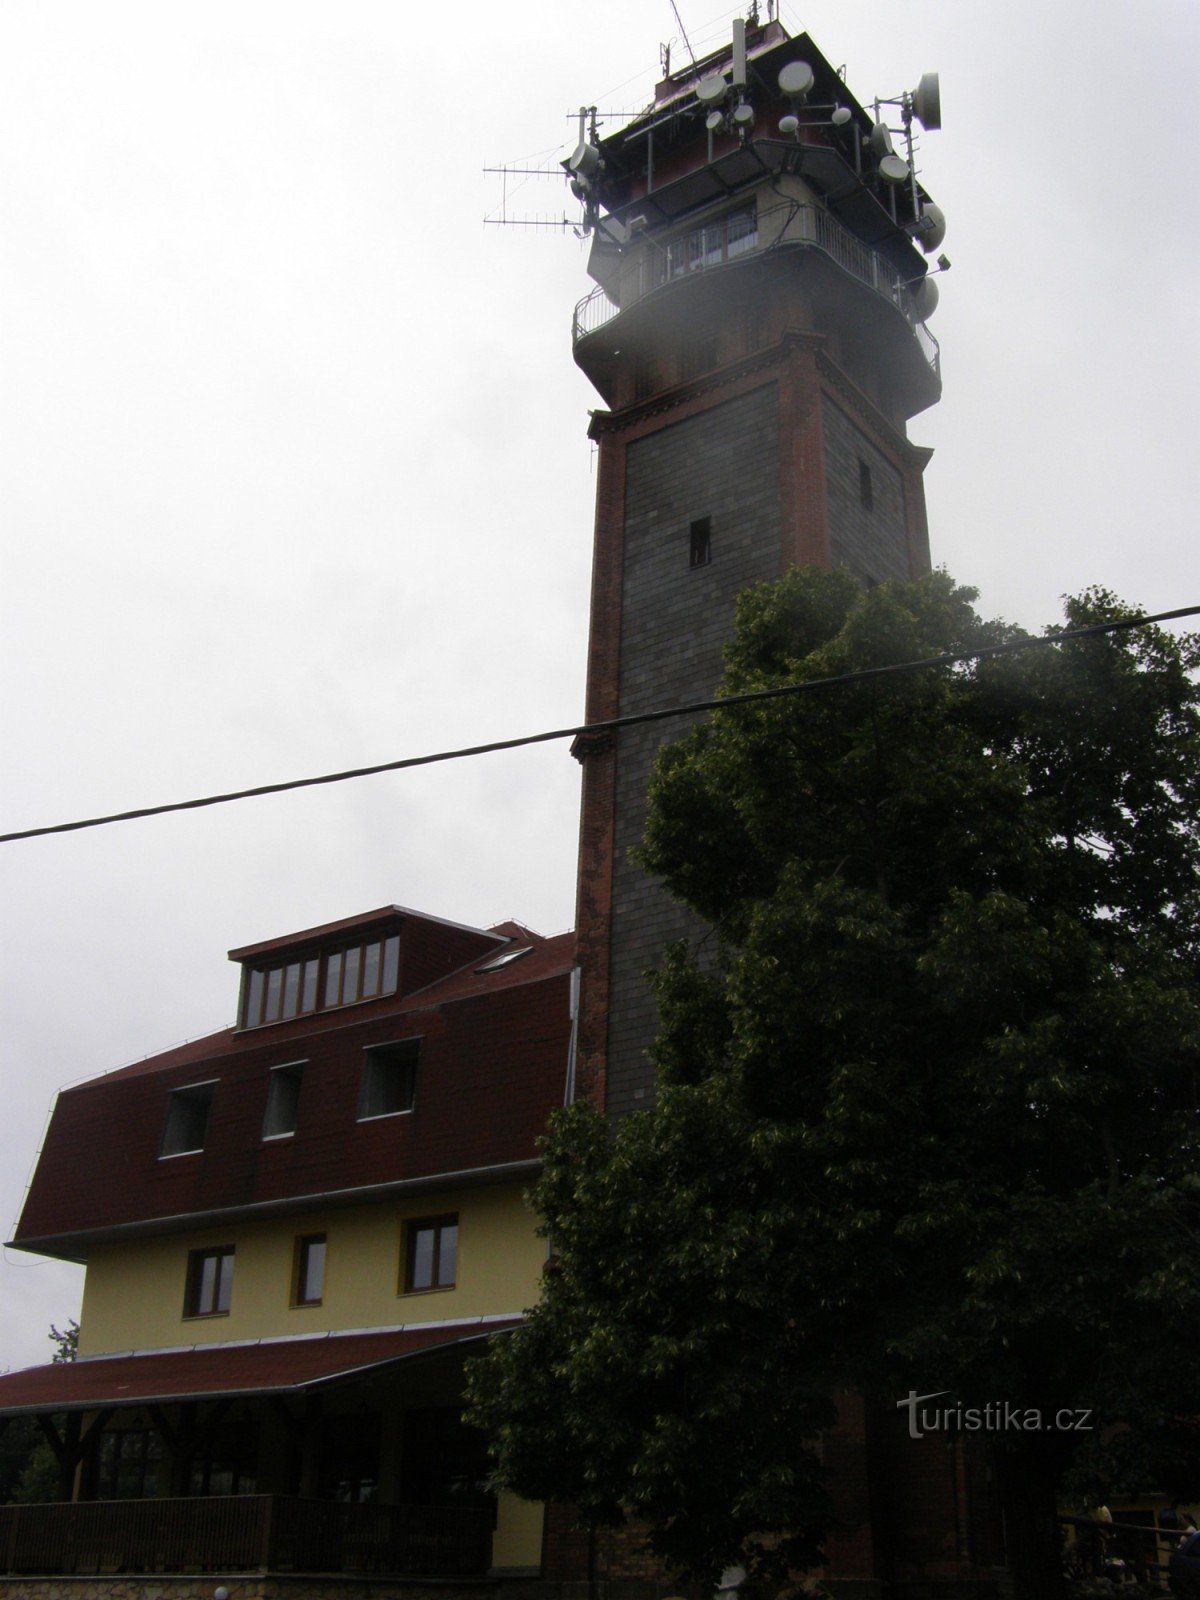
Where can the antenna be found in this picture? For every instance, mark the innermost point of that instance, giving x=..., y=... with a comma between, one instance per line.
x=739, y=53
x=513, y=178
x=683, y=31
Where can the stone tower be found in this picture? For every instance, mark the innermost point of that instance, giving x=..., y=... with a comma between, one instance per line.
x=757, y=335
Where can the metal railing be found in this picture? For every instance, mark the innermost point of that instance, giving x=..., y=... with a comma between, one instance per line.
x=245, y=1533
x=788, y=223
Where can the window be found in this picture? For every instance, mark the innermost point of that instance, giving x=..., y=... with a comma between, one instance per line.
x=209, y=1282
x=715, y=242
x=389, y=1079
x=283, y=1100
x=186, y=1127
x=741, y=231
x=505, y=959
x=430, y=1254
x=305, y=984
x=700, y=551
x=866, y=492
x=309, y=1281
x=127, y=1464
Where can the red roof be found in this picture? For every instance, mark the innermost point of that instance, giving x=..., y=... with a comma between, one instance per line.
x=493, y=1055
x=274, y=1366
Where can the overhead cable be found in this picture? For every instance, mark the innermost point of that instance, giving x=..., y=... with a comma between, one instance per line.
x=615, y=724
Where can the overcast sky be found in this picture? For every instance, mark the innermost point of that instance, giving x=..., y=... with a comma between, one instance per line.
x=295, y=474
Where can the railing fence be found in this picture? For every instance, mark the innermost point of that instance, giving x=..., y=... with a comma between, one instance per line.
x=239, y=1533
x=739, y=234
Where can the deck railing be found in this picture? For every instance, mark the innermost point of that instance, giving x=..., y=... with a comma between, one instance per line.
x=707, y=248
x=244, y=1533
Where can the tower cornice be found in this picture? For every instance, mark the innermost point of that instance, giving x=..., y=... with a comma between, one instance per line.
x=684, y=394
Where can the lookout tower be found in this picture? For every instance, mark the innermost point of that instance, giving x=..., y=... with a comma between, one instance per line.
x=760, y=247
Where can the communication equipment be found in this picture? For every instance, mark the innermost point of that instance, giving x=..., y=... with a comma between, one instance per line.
x=894, y=169
x=711, y=89
x=714, y=120
x=841, y=116
x=926, y=101
x=739, y=53
x=925, y=299
x=931, y=227
x=796, y=78
x=584, y=160
x=743, y=114
x=789, y=124
x=881, y=140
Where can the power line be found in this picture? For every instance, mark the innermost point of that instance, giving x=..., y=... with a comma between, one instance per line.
x=614, y=724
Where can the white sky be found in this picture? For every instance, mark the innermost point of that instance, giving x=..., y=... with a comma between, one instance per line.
x=294, y=471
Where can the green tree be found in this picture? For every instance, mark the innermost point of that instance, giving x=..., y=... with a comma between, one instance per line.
x=928, y=1117
x=29, y=1471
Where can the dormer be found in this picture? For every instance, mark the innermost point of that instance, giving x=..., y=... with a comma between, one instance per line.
x=383, y=953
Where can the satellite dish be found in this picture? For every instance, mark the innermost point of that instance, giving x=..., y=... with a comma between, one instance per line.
x=796, y=78
x=584, y=160
x=711, y=89
x=894, y=169
x=927, y=102
x=881, y=140
x=841, y=116
x=925, y=299
x=714, y=120
x=931, y=228
x=743, y=114
x=788, y=124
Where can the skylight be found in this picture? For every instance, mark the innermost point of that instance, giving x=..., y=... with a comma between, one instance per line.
x=505, y=959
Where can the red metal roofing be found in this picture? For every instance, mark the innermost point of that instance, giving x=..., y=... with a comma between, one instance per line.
x=281, y=1366
x=362, y=922
x=492, y=1066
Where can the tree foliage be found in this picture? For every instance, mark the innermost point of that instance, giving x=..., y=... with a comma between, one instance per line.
x=929, y=1098
x=29, y=1472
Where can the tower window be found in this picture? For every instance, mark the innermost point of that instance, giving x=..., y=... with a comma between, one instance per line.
x=389, y=1079
x=700, y=546
x=866, y=492
x=186, y=1127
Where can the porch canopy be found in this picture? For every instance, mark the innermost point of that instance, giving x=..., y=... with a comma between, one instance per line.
x=228, y=1371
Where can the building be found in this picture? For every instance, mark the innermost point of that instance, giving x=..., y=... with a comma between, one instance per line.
x=757, y=333
x=265, y=1214
x=295, y=1230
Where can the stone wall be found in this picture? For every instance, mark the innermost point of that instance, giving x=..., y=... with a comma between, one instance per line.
x=241, y=1586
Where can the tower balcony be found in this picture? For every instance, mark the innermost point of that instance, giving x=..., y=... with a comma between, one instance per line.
x=846, y=285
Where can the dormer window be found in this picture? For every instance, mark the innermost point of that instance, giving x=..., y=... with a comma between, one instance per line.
x=389, y=1079
x=283, y=1100
x=186, y=1127
x=279, y=990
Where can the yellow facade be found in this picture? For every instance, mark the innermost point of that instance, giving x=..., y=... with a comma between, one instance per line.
x=134, y=1299
x=134, y=1293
